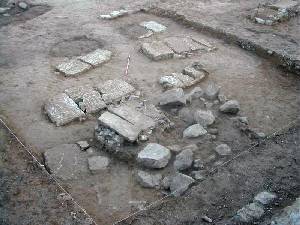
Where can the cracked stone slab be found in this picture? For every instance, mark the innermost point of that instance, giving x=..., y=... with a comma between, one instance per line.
x=66, y=161
x=97, y=57
x=157, y=50
x=182, y=45
x=113, y=90
x=76, y=93
x=73, y=67
x=153, y=26
x=62, y=110
x=92, y=102
x=133, y=116
x=119, y=125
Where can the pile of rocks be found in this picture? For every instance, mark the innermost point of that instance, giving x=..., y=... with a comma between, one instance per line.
x=76, y=101
x=84, y=63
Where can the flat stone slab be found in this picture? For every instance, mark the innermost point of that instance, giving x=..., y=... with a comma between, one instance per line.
x=62, y=110
x=154, y=156
x=176, y=80
x=97, y=57
x=66, y=161
x=113, y=90
x=133, y=116
x=153, y=26
x=157, y=50
x=182, y=45
x=73, y=67
x=98, y=163
x=92, y=102
x=76, y=93
x=119, y=125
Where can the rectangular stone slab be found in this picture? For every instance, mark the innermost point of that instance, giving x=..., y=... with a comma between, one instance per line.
x=73, y=67
x=76, y=93
x=182, y=45
x=96, y=57
x=119, y=125
x=92, y=102
x=113, y=90
x=157, y=50
x=62, y=110
x=133, y=116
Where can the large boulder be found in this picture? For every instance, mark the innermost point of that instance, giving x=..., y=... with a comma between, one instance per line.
x=184, y=160
x=154, y=156
x=231, y=106
x=194, y=131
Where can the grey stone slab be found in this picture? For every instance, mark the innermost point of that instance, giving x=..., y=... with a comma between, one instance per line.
x=113, y=90
x=169, y=81
x=133, y=116
x=285, y=4
x=73, y=67
x=153, y=26
x=62, y=110
x=119, y=125
x=182, y=45
x=157, y=50
x=66, y=161
x=92, y=102
x=198, y=75
x=76, y=93
x=97, y=57
x=98, y=163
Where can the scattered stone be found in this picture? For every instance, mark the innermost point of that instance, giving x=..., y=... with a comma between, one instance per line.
x=213, y=131
x=194, y=131
x=148, y=180
x=198, y=164
x=157, y=50
x=222, y=98
x=73, y=67
x=180, y=183
x=204, y=118
x=23, y=5
x=62, y=110
x=261, y=135
x=114, y=90
x=119, y=125
x=92, y=102
x=98, y=163
x=186, y=115
x=198, y=74
x=207, y=219
x=210, y=159
x=154, y=156
x=83, y=145
x=153, y=26
x=212, y=91
x=223, y=150
x=65, y=161
x=184, y=160
x=198, y=175
x=265, y=197
x=166, y=182
x=148, y=34
x=96, y=57
x=173, y=97
x=249, y=213
x=231, y=106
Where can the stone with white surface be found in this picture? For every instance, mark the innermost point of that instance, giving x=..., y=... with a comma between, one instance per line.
x=170, y=81
x=76, y=93
x=62, y=110
x=153, y=26
x=73, y=68
x=154, y=156
x=157, y=50
x=83, y=145
x=98, y=163
x=198, y=75
x=148, y=180
x=97, y=57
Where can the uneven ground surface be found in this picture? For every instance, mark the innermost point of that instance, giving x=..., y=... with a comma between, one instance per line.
x=32, y=43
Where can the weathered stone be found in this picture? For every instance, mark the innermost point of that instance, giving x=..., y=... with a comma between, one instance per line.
x=83, y=145
x=166, y=182
x=170, y=81
x=250, y=213
x=148, y=180
x=204, y=118
x=157, y=50
x=153, y=26
x=185, y=79
x=231, y=106
x=133, y=116
x=197, y=74
x=198, y=164
x=76, y=93
x=184, y=160
x=196, y=93
x=222, y=98
x=180, y=183
x=23, y=5
x=73, y=67
x=174, y=148
x=186, y=115
x=97, y=57
x=98, y=163
x=113, y=90
x=182, y=45
x=143, y=138
x=62, y=110
x=265, y=197
x=198, y=175
x=92, y=102
x=206, y=219
x=119, y=125
x=173, y=97
x=243, y=119
x=212, y=91
x=194, y=131
x=223, y=150
x=154, y=156
x=66, y=161
x=4, y=9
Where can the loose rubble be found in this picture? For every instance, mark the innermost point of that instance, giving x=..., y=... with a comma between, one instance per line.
x=184, y=160
x=148, y=180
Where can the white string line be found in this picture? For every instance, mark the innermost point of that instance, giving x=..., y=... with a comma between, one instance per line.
x=209, y=172
x=44, y=170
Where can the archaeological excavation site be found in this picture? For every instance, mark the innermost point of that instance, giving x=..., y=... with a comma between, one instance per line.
x=149, y=112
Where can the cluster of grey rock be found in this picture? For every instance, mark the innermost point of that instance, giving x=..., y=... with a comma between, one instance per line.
x=84, y=63
x=76, y=101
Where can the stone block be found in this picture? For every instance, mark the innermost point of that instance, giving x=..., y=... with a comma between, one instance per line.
x=73, y=67
x=96, y=57
x=157, y=50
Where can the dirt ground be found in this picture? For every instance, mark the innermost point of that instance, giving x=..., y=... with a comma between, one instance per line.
x=33, y=42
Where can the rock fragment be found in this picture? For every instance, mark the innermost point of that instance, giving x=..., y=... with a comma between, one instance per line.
x=180, y=183
x=97, y=57
x=98, y=163
x=198, y=175
x=76, y=93
x=114, y=14
x=196, y=93
x=173, y=97
x=154, y=156
x=23, y=5
x=249, y=213
x=166, y=182
x=212, y=91
x=198, y=164
x=73, y=67
x=265, y=197
x=148, y=180
x=204, y=117
x=231, y=106
x=153, y=26
x=194, y=131
x=83, y=145
x=157, y=50
x=184, y=160
x=186, y=115
x=223, y=150
x=92, y=102
x=170, y=81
